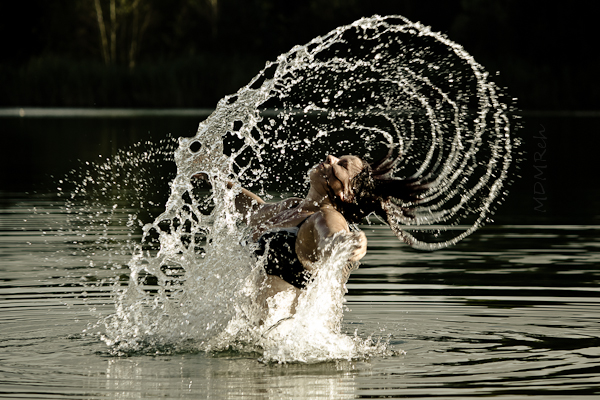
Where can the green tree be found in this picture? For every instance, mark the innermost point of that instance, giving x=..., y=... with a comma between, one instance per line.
x=122, y=25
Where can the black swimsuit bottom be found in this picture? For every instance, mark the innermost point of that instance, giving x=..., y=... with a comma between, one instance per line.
x=282, y=260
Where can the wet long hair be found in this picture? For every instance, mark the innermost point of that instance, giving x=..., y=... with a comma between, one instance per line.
x=374, y=186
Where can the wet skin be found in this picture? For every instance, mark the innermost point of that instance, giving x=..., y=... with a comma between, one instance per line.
x=333, y=175
x=323, y=222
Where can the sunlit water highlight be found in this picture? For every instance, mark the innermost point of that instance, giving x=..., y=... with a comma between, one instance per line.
x=364, y=88
x=511, y=311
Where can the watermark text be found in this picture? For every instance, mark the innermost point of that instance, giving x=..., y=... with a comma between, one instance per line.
x=539, y=168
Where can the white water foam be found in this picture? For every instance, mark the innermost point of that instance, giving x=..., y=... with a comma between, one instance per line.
x=379, y=83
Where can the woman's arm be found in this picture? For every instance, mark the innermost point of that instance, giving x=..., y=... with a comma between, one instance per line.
x=321, y=232
x=246, y=202
x=254, y=209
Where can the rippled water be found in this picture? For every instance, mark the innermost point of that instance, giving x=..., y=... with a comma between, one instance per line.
x=381, y=85
x=116, y=288
x=511, y=311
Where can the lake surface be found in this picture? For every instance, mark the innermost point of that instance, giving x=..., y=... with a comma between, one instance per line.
x=511, y=311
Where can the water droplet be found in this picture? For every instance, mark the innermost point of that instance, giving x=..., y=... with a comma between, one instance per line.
x=403, y=91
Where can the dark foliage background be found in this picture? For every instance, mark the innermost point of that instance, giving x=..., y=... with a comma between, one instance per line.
x=190, y=53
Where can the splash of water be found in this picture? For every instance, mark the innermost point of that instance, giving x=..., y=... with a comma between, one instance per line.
x=379, y=83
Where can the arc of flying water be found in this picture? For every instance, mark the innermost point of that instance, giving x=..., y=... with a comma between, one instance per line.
x=446, y=149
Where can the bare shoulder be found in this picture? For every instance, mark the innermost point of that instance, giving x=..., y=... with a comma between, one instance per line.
x=289, y=202
x=280, y=206
x=315, y=232
x=267, y=211
x=326, y=222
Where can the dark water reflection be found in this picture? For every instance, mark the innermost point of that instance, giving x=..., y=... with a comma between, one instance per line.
x=512, y=311
x=552, y=183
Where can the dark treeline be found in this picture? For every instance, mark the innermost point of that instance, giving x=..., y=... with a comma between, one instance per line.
x=190, y=53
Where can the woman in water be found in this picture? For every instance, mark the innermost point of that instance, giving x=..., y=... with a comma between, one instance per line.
x=297, y=233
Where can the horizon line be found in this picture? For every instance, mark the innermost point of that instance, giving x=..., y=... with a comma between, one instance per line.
x=124, y=112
